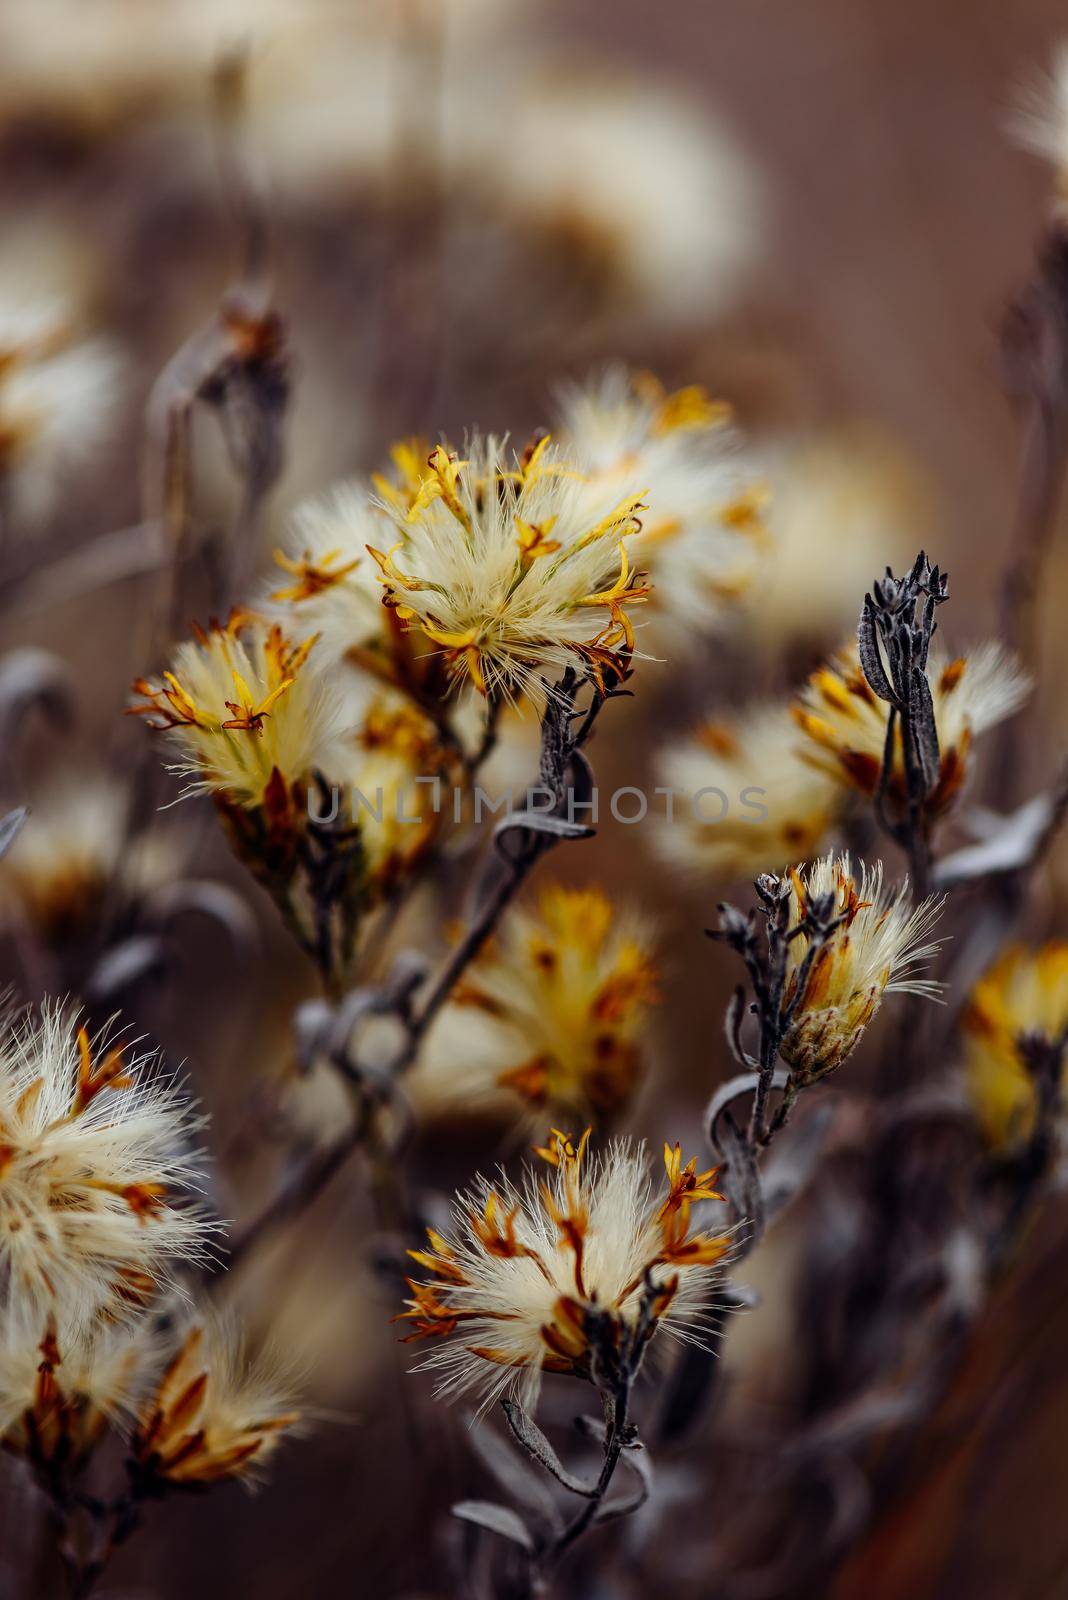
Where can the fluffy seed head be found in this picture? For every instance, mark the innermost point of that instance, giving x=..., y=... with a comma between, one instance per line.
x=214, y=1414
x=725, y=775
x=702, y=534
x=91, y=1157
x=243, y=710
x=845, y=721
x=554, y=1011
x=502, y=566
x=877, y=948
x=529, y=1279
x=1025, y=991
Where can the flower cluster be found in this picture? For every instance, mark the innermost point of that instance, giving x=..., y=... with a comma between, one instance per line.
x=57, y=393
x=61, y=870
x=390, y=768
x=329, y=582
x=60, y=1395
x=554, y=1012
x=531, y=1280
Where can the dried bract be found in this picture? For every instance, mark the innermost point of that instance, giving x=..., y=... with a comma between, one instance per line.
x=214, y=1414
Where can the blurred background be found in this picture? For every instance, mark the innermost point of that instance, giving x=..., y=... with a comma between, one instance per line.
x=813, y=210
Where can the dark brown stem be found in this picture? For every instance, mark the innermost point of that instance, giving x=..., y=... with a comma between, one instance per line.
x=469, y=947
x=619, y=1407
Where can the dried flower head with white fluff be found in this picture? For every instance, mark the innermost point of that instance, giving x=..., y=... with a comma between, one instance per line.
x=842, y=498
x=244, y=711
x=501, y=565
x=58, y=388
x=671, y=202
x=93, y=1157
x=61, y=1392
x=529, y=1279
x=74, y=851
x=878, y=945
x=1040, y=123
x=553, y=1011
x=845, y=721
x=328, y=583
x=393, y=770
x=1024, y=992
x=215, y=1414
x=746, y=800
x=702, y=534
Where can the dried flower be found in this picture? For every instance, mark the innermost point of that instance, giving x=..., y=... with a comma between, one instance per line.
x=845, y=720
x=249, y=720
x=553, y=1011
x=747, y=800
x=377, y=767
x=876, y=948
x=531, y=1278
x=1025, y=992
x=75, y=851
x=661, y=189
x=91, y=1153
x=840, y=502
x=59, y=1393
x=500, y=565
x=214, y=1414
x=1041, y=121
x=57, y=394
x=703, y=532
x=329, y=583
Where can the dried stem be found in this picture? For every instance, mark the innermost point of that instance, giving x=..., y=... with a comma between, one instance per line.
x=564, y=772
